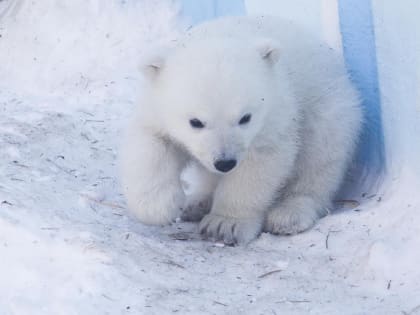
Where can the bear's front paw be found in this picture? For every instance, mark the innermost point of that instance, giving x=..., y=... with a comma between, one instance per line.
x=195, y=210
x=293, y=217
x=159, y=209
x=230, y=230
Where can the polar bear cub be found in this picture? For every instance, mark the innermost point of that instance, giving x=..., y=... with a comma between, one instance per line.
x=266, y=112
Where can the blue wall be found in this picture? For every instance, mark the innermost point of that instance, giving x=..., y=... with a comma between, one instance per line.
x=197, y=11
x=357, y=28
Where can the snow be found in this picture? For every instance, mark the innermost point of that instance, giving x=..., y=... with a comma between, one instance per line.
x=68, y=83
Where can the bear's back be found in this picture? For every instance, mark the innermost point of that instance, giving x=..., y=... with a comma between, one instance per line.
x=293, y=41
x=313, y=68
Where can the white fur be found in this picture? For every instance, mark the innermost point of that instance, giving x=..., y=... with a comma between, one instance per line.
x=292, y=154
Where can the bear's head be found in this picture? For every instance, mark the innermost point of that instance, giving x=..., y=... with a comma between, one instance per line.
x=213, y=96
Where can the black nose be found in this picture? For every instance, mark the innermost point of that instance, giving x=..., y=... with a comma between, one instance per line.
x=224, y=165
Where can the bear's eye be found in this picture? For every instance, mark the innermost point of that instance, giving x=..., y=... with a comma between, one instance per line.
x=245, y=119
x=196, y=123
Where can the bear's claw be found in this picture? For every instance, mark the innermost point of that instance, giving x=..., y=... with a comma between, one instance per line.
x=231, y=231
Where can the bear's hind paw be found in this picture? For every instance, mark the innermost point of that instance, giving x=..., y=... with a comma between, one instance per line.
x=195, y=211
x=293, y=218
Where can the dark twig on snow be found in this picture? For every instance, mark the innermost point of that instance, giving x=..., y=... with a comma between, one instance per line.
x=328, y=237
x=104, y=203
x=269, y=273
x=17, y=163
x=94, y=120
x=107, y=297
x=180, y=236
x=172, y=263
x=294, y=301
x=326, y=240
x=65, y=170
x=220, y=303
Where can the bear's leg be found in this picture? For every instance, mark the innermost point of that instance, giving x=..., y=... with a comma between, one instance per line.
x=151, y=168
x=243, y=196
x=326, y=149
x=199, y=201
x=295, y=214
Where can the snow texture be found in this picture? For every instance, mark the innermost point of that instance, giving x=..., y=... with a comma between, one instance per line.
x=68, y=83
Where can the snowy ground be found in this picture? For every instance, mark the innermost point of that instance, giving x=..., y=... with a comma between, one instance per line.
x=68, y=245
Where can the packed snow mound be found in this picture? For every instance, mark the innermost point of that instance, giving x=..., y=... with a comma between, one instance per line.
x=68, y=83
x=87, y=51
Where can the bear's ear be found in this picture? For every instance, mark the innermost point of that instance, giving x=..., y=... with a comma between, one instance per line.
x=154, y=60
x=268, y=50
x=152, y=66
